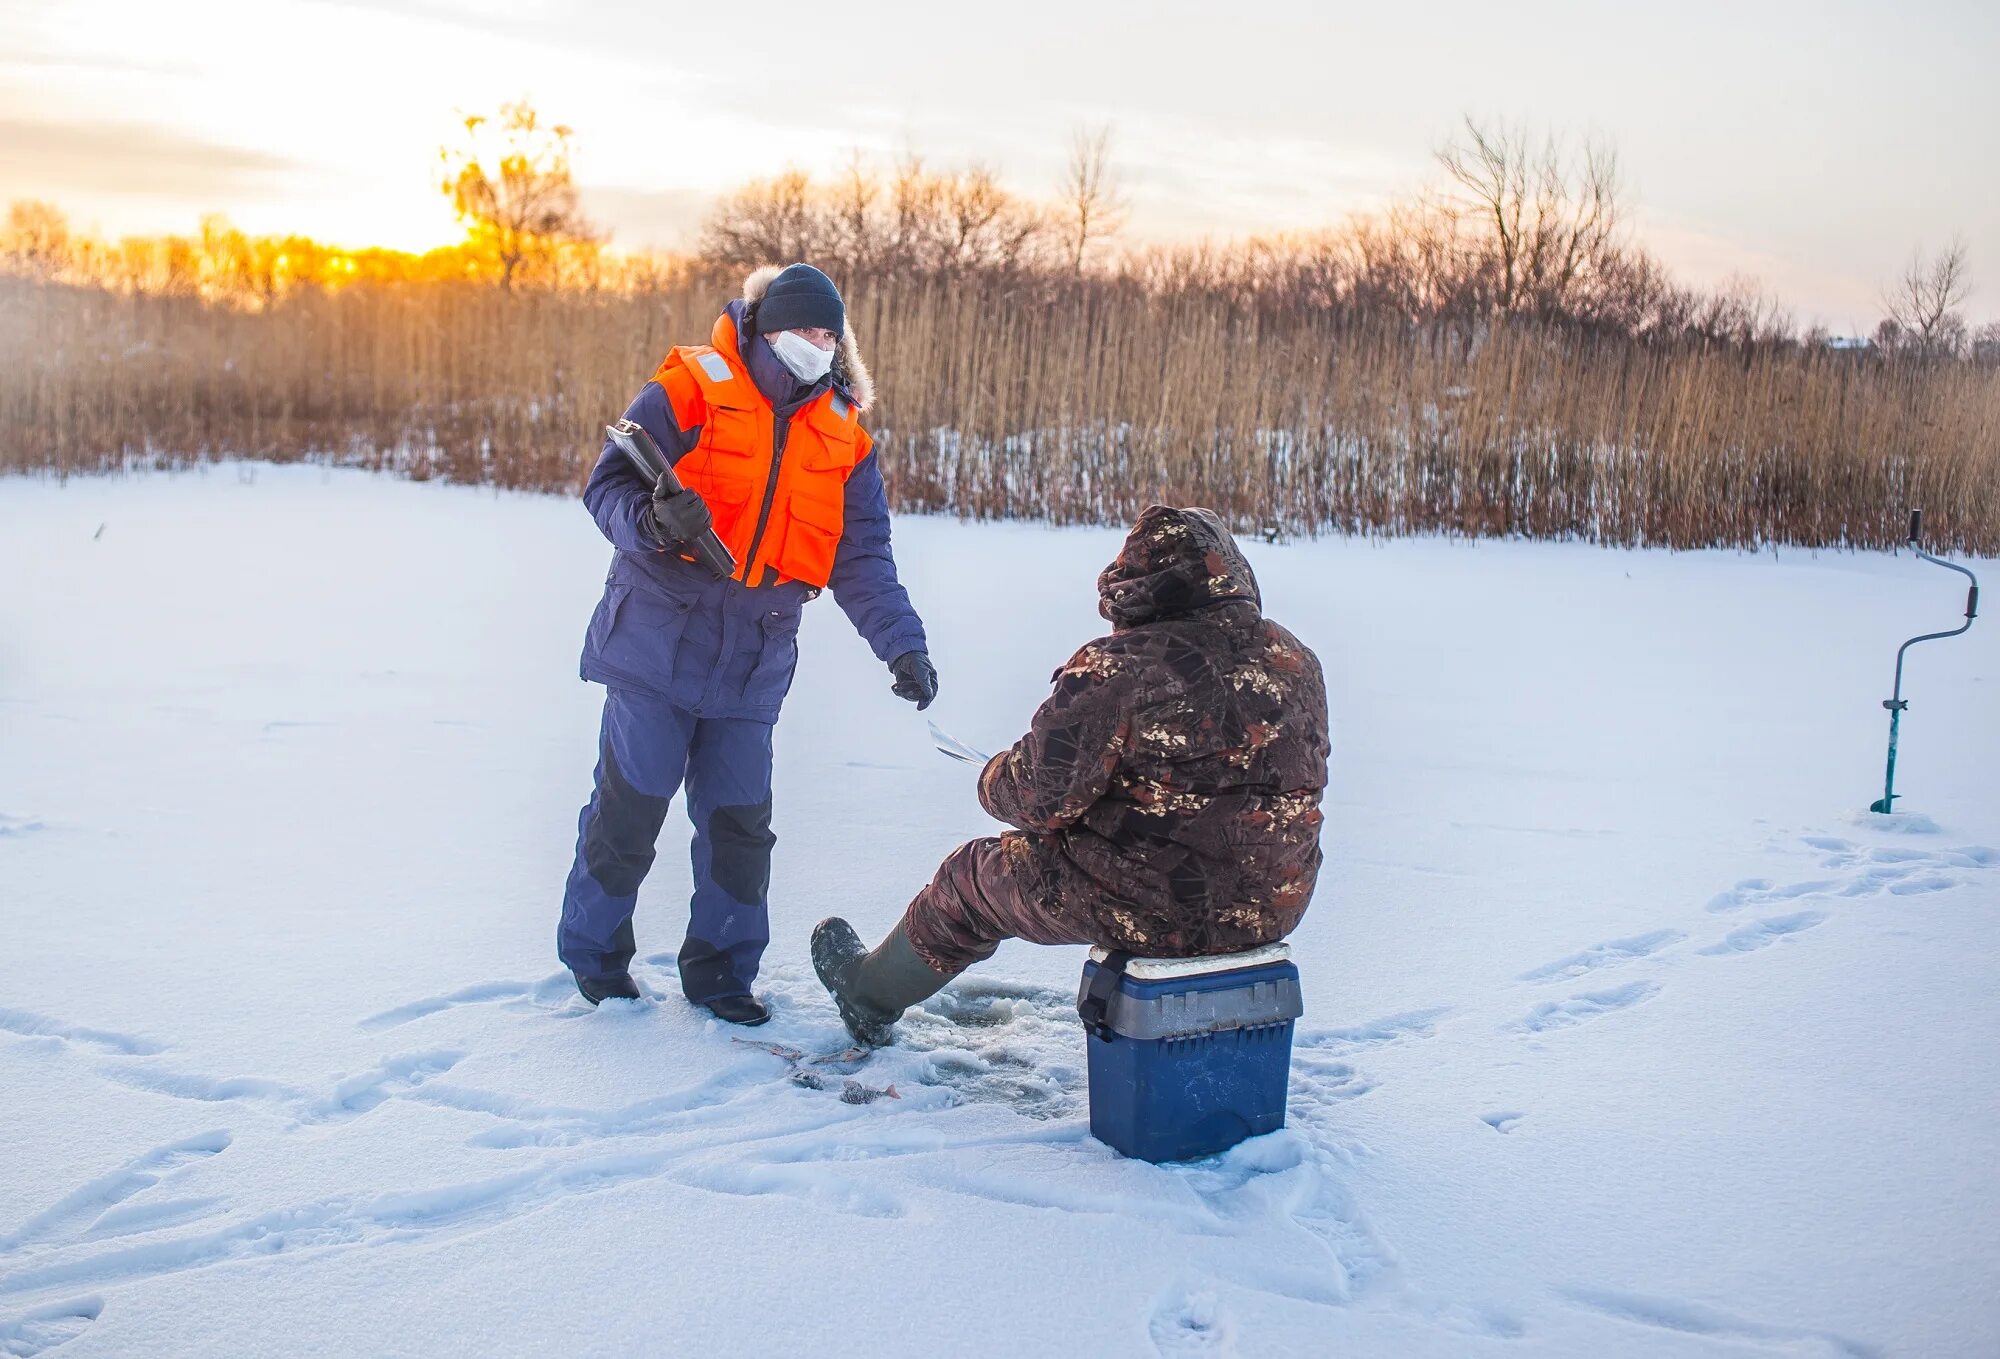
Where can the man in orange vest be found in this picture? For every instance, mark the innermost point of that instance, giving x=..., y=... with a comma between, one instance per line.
x=762, y=427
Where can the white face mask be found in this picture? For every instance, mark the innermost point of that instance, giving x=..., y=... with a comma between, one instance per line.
x=807, y=360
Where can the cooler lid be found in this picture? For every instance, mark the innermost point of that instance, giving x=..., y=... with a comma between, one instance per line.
x=1168, y=969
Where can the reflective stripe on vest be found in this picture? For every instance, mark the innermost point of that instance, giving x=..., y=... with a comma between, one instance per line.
x=736, y=467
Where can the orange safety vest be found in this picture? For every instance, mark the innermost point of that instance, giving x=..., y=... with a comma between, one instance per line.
x=780, y=510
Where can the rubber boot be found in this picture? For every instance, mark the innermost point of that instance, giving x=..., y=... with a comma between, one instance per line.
x=871, y=988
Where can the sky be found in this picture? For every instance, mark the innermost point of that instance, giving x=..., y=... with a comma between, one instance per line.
x=1809, y=147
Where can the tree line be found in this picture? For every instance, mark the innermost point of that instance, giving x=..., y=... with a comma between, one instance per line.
x=1494, y=355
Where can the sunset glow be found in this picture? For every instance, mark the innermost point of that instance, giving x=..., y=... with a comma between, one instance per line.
x=1756, y=150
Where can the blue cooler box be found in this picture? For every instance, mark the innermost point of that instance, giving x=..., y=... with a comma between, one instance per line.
x=1188, y=1056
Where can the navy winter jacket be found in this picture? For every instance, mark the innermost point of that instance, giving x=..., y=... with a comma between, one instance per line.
x=717, y=648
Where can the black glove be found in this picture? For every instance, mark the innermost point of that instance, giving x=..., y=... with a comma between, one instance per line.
x=677, y=517
x=916, y=678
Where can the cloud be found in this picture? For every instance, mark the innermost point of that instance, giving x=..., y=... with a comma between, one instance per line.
x=642, y=218
x=94, y=64
x=43, y=158
x=1817, y=291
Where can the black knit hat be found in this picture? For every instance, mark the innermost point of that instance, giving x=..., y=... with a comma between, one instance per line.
x=798, y=298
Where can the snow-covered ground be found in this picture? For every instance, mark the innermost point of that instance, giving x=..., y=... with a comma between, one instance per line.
x=1628, y=1031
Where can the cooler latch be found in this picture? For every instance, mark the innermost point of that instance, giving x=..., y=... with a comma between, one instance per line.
x=1095, y=1006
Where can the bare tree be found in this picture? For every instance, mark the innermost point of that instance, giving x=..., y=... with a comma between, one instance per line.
x=973, y=202
x=510, y=181
x=1985, y=346
x=985, y=226
x=770, y=221
x=1923, y=306
x=1550, y=216
x=923, y=223
x=1092, y=207
x=913, y=214
x=854, y=198
x=1738, y=312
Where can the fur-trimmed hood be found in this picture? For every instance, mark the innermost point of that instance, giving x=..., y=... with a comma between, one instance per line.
x=849, y=372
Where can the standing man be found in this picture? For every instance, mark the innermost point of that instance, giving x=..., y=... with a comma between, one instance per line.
x=762, y=426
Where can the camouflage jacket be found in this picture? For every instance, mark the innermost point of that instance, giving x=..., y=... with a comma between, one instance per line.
x=1168, y=791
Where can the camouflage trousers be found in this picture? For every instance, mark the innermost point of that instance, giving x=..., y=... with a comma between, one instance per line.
x=974, y=902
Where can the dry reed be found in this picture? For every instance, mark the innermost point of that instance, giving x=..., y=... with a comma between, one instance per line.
x=1074, y=401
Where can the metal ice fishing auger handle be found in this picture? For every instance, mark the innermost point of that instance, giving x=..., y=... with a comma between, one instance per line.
x=1972, y=591
x=1896, y=703
x=1971, y=604
x=656, y=471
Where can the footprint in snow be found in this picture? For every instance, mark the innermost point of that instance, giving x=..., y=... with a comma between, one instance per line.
x=348, y=1097
x=1317, y=1077
x=1582, y=1008
x=1691, y=1318
x=27, y=1024
x=1502, y=1122
x=1848, y=853
x=355, y=1095
x=1749, y=889
x=94, y=1205
x=1899, y=856
x=1898, y=823
x=1763, y=933
x=45, y=1328
x=18, y=825
x=550, y=993
x=139, y=1218
x=1190, y=1322
x=1868, y=871
x=1320, y=1073
x=1762, y=892
x=1388, y=1029
x=1608, y=954
x=1916, y=886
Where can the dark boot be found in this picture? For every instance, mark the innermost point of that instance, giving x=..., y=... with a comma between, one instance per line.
x=745, y=1010
x=871, y=989
x=613, y=986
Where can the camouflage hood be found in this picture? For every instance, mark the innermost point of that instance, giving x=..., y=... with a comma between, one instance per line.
x=1174, y=562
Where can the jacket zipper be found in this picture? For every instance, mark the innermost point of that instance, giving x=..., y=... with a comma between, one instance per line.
x=781, y=430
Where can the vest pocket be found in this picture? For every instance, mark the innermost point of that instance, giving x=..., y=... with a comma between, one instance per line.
x=832, y=451
x=726, y=468
x=836, y=441
x=735, y=431
x=812, y=539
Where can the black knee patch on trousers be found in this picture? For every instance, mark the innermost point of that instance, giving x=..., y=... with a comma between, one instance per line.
x=740, y=843
x=624, y=827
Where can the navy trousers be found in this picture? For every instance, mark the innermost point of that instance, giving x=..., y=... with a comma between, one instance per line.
x=647, y=749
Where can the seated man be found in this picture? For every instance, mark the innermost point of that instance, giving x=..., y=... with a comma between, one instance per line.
x=1166, y=800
